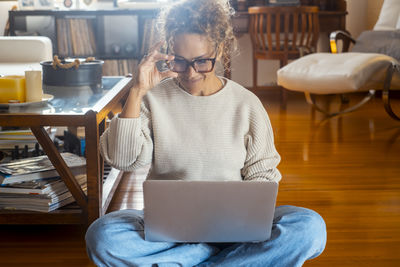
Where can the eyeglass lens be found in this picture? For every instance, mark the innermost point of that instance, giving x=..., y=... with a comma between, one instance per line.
x=199, y=65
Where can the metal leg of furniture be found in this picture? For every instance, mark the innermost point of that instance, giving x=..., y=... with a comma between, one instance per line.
x=311, y=101
x=386, y=90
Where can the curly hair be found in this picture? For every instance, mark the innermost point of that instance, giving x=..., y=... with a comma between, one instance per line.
x=211, y=18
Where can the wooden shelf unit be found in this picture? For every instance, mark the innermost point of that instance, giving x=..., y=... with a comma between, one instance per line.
x=115, y=34
x=94, y=204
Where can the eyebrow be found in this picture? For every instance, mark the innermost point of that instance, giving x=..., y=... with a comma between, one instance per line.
x=205, y=56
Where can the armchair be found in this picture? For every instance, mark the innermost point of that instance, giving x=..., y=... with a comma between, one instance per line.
x=18, y=54
x=372, y=64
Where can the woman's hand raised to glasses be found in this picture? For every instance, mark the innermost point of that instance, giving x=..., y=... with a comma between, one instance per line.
x=148, y=75
x=146, y=78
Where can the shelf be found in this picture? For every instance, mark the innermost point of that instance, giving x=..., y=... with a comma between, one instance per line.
x=108, y=57
x=69, y=214
x=101, y=184
x=83, y=13
x=111, y=34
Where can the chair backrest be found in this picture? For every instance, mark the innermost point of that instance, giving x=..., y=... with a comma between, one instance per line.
x=285, y=32
x=389, y=17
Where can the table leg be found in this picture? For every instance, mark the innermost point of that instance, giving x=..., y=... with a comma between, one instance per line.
x=94, y=179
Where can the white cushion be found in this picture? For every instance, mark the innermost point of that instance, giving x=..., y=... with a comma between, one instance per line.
x=18, y=54
x=25, y=49
x=398, y=24
x=389, y=16
x=326, y=73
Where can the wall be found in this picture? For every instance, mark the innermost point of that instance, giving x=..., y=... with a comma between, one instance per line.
x=363, y=15
x=4, y=7
x=373, y=9
x=356, y=20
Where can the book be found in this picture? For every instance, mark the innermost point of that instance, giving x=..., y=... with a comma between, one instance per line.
x=34, y=168
x=119, y=67
x=46, y=202
x=48, y=186
x=146, y=36
x=39, y=208
x=17, y=135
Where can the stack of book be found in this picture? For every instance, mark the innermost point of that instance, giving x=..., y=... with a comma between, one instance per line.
x=78, y=38
x=149, y=35
x=119, y=67
x=34, y=184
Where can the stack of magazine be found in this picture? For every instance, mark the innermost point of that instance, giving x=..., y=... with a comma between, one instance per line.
x=34, y=184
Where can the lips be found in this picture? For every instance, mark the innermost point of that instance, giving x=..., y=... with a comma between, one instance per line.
x=194, y=80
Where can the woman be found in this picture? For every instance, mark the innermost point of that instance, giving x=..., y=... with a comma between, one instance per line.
x=189, y=124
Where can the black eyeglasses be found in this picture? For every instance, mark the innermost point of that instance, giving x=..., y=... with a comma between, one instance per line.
x=201, y=65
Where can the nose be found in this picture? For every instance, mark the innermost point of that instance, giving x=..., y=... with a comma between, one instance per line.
x=190, y=71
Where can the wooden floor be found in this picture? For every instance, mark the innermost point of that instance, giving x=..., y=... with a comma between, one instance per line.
x=346, y=168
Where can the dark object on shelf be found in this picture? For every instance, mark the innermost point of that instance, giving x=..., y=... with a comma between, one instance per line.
x=72, y=143
x=234, y=4
x=116, y=49
x=89, y=73
x=241, y=5
x=255, y=3
x=21, y=152
x=324, y=5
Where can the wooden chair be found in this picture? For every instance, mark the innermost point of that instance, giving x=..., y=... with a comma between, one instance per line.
x=282, y=33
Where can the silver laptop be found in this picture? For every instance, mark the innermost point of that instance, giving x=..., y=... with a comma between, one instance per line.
x=208, y=211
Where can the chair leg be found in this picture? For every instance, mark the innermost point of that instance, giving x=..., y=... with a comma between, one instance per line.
x=386, y=89
x=311, y=101
x=255, y=70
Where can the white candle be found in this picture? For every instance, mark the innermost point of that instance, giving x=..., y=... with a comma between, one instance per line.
x=34, y=91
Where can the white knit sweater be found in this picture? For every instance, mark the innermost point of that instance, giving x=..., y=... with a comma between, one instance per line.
x=224, y=136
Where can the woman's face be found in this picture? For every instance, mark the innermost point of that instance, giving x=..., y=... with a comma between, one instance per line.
x=190, y=47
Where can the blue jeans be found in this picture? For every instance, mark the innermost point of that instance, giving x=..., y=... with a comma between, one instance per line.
x=117, y=239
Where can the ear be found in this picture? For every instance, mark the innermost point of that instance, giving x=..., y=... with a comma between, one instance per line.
x=220, y=51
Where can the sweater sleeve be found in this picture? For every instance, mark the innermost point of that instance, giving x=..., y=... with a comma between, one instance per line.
x=262, y=158
x=127, y=143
